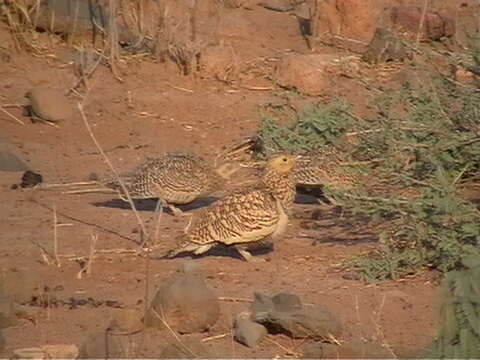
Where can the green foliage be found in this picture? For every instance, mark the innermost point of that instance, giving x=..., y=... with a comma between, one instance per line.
x=310, y=129
x=459, y=336
x=425, y=140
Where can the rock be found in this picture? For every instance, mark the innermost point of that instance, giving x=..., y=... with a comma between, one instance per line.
x=287, y=302
x=309, y=74
x=126, y=321
x=30, y=179
x=286, y=314
x=2, y=342
x=189, y=348
x=47, y=352
x=352, y=350
x=249, y=333
x=60, y=351
x=385, y=47
x=28, y=353
x=101, y=345
x=7, y=312
x=435, y=25
x=218, y=62
x=49, y=105
x=279, y=5
x=185, y=303
x=8, y=160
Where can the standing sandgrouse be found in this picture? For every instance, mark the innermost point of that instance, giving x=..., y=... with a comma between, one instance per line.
x=245, y=217
x=175, y=178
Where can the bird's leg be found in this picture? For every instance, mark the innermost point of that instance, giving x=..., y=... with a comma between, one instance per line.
x=189, y=223
x=176, y=211
x=246, y=255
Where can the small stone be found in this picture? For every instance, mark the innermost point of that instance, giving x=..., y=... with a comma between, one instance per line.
x=49, y=105
x=28, y=353
x=249, y=333
x=60, y=351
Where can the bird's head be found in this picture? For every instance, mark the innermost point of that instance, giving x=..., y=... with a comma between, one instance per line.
x=282, y=164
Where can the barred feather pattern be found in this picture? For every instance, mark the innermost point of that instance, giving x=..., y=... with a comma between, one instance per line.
x=324, y=167
x=244, y=217
x=177, y=178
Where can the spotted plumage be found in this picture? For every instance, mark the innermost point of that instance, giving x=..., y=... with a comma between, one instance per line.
x=176, y=178
x=325, y=167
x=247, y=216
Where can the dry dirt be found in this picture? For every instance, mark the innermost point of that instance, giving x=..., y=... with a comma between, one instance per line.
x=156, y=109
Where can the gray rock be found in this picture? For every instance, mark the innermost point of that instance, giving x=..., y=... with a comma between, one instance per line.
x=2, y=342
x=186, y=349
x=49, y=105
x=101, y=345
x=285, y=313
x=287, y=302
x=126, y=321
x=8, y=160
x=185, y=303
x=7, y=312
x=249, y=333
x=385, y=47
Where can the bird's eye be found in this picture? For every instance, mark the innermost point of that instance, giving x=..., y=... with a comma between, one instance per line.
x=284, y=159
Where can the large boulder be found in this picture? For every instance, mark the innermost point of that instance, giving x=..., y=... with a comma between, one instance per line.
x=309, y=74
x=435, y=25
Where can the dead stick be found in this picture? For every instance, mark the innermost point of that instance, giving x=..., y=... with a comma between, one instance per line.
x=422, y=20
x=91, y=256
x=55, y=236
x=110, y=165
x=12, y=116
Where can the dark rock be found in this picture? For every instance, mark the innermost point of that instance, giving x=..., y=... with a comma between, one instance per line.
x=30, y=179
x=435, y=25
x=188, y=348
x=352, y=350
x=286, y=314
x=101, y=345
x=185, y=303
x=385, y=47
x=249, y=333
